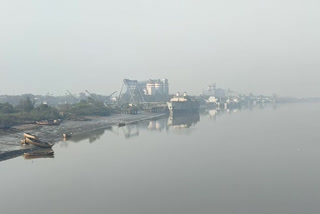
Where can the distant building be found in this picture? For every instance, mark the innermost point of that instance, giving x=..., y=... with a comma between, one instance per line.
x=211, y=90
x=220, y=93
x=155, y=87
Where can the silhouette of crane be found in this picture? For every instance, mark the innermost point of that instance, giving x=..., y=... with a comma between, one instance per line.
x=112, y=94
x=94, y=97
x=72, y=94
x=108, y=98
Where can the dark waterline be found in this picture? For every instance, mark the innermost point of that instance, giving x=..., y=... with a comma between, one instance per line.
x=263, y=160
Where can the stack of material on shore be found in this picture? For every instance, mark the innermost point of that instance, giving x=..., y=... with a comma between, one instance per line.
x=27, y=135
x=33, y=139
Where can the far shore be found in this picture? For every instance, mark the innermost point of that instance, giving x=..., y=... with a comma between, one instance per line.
x=10, y=145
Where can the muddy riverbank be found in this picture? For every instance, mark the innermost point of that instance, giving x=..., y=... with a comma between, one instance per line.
x=10, y=145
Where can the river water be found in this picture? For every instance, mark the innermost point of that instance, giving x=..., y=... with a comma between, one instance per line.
x=258, y=160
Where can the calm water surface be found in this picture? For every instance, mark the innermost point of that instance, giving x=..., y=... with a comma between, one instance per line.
x=263, y=160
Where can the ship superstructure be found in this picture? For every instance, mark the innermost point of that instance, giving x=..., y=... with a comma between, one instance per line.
x=183, y=104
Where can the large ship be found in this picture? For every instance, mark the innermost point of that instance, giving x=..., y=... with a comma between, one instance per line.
x=183, y=104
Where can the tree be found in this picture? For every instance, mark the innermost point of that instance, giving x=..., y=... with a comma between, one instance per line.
x=6, y=108
x=25, y=105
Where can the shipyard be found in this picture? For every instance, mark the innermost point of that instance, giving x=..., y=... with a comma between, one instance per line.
x=78, y=114
x=159, y=107
x=88, y=112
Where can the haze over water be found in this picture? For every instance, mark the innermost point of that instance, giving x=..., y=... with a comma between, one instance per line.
x=263, y=160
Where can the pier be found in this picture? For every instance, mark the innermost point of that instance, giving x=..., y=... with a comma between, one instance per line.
x=155, y=107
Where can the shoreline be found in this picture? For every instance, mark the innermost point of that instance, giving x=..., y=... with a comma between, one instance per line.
x=10, y=145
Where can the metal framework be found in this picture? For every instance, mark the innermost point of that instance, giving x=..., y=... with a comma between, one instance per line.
x=134, y=91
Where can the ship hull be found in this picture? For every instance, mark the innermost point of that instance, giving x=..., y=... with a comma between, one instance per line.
x=183, y=107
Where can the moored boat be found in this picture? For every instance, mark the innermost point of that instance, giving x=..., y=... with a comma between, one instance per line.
x=30, y=157
x=40, y=152
x=39, y=143
x=183, y=104
x=48, y=123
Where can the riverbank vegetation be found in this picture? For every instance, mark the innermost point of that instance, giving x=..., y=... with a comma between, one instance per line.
x=27, y=112
x=84, y=108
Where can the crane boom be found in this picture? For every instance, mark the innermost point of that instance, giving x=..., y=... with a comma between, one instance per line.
x=71, y=94
x=112, y=94
x=93, y=97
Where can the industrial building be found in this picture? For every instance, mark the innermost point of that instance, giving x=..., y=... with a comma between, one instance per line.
x=213, y=91
x=153, y=90
x=155, y=87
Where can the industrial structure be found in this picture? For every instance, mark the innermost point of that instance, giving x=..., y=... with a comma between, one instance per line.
x=213, y=91
x=155, y=87
x=153, y=90
x=133, y=91
x=183, y=104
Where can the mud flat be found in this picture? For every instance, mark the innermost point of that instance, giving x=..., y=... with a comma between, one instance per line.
x=10, y=145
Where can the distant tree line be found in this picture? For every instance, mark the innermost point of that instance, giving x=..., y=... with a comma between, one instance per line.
x=26, y=111
x=84, y=108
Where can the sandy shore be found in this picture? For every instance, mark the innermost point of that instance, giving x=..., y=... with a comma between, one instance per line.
x=10, y=145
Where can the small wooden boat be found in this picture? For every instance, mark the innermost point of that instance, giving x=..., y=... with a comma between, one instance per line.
x=30, y=136
x=28, y=157
x=48, y=123
x=39, y=143
x=40, y=152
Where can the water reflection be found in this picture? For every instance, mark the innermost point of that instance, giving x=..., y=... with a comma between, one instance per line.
x=166, y=123
x=184, y=120
x=214, y=113
x=158, y=125
x=221, y=166
x=130, y=130
x=92, y=136
x=39, y=153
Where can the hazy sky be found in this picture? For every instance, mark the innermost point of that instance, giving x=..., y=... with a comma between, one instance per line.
x=246, y=45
